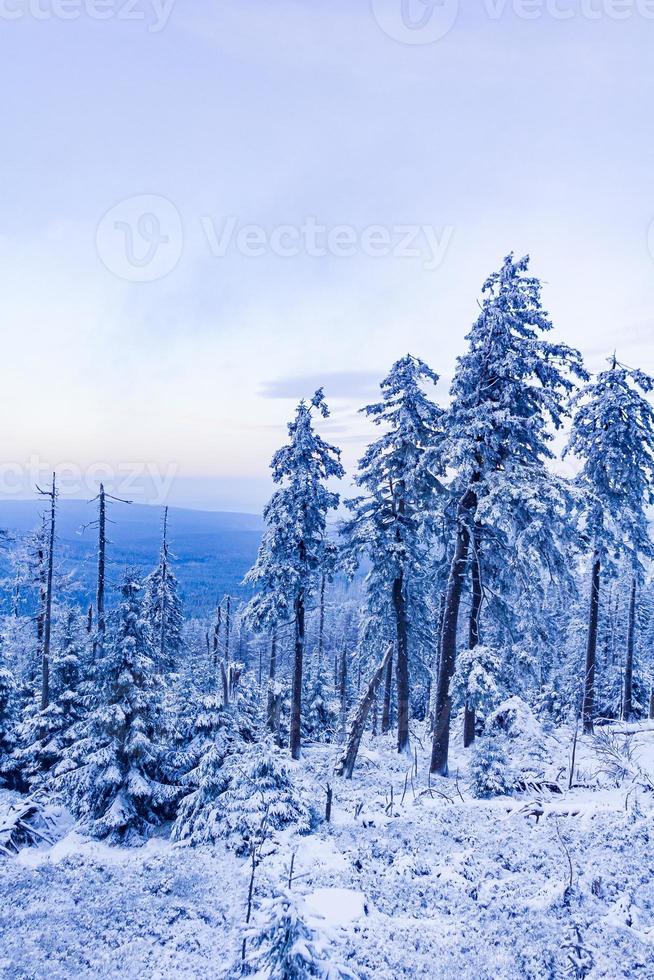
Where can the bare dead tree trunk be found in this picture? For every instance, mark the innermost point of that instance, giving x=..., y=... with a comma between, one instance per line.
x=295, y=737
x=388, y=690
x=441, y=742
x=40, y=618
x=651, y=706
x=627, y=701
x=47, y=620
x=89, y=619
x=228, y=626
x=470, y=719
x=162, y=606
x=102, y=558
x=591, y=649
x=272, y=673
x=402, y=665
x=216, y=640
x=347, y=762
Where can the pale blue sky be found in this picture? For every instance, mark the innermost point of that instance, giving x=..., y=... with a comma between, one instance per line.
x=507, y=133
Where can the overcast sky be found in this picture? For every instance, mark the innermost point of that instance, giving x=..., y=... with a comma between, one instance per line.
x=151, y=336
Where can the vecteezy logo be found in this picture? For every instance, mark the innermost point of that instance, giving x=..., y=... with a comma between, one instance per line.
x=141, y=239
x=416, y=21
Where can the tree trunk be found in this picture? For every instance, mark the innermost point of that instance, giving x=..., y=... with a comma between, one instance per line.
x=162, y=609
x=228, y=625
x=321, y=624
x=591, y=649
x=388, y=690
x=402, y=665
x=216, y=641
x=343, y=692
x=296, y=694
x=345, y=766
x=40, y=618
x=627, y=701
x=102, y=558
x=651, y=706
x=47, y=619
x=436, y=666
x=469, y=720
x=441, y=742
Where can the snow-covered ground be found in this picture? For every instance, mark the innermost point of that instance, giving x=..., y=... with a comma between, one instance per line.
x=433, y=883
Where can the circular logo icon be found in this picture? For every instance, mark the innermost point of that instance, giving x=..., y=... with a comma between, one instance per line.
x=416, y=21
x=141, y=238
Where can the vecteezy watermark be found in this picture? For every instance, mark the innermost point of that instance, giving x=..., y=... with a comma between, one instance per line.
x=315, y=240
x=141, y=482
x=141, y=239
x=426, y=21
x=155, y=14
x=416, y=21
x=570, y=9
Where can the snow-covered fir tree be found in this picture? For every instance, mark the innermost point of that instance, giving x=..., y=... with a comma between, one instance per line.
x=10, y=774
x=111, y=774
x=613, y=435
x=285, y=943
x=393, y=524
x=242, y=790
x=509, y=388
x=46, y=734
x=295, y=550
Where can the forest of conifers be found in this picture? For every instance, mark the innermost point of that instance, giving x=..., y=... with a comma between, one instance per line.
x=488, y=571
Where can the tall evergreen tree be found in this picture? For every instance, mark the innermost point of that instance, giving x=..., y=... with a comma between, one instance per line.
x=46, y=734
x=509, y=387
x=112, y=772
x=613, y=435
x=393, y=524
x=295, y=551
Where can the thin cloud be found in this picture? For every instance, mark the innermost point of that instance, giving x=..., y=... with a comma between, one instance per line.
x=337, y=384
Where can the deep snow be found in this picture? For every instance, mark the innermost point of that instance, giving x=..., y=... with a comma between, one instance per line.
x=436, y=884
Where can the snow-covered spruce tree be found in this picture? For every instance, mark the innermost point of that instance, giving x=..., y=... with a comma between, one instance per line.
x=164, y=608
x=111, y=774
x=46, y=734
x=295, y=550
x=489, y=772
x=509, y=387
x=284, y=944
x=239, y=790
x=393, y=523
x=320, y=720
x=10, y=775
x=613, y=434
x=475, y=680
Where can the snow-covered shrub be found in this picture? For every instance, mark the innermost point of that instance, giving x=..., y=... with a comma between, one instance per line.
x=23, y=823
x=239, y=794
x=282, y=944
x=515, y=720
x=111, y=775
x=475, y=678
x=490, y=773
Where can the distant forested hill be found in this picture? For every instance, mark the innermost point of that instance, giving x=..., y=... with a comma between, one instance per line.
x=213, y=550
